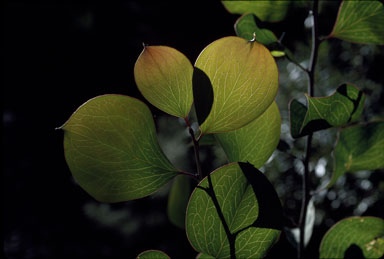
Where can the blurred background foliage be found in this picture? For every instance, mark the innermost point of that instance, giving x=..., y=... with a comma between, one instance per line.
x=59, y=54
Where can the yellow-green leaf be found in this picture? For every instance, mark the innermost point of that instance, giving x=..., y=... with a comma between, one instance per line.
x=164, y=77
x=244, y=79
x=112, y=150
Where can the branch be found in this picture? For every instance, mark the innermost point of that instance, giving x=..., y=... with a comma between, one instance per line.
x=196, y=149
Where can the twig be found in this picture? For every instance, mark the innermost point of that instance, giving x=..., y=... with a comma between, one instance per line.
x=195, y=148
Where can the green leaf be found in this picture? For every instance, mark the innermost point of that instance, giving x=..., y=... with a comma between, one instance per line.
x=153, y=254
x=255, y=142
x=246, y=28
x=112, y=150
x=234, y=211
x=361, y=237
x=360, y=21
x=204, y=256
x=359, y=148
x=344, y=106
x=178, y=200
x=164, y=77
x=266, y=10
x=244, y=79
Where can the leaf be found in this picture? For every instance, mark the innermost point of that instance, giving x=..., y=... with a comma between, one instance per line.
x=359, y=148
x=178, y=200
x=266, y=10
x=360, y=21
x=153, y=254
x=112, y=150
x=234, y=211
x=202, y=94
x=247, y=28
x=362, y=235
x=164, y=77
x=244, y=79
x=204, y=256
x=255, y=142
x=344, y=106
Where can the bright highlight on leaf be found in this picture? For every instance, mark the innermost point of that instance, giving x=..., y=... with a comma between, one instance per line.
x=344, y=106
x=112, y=150
x=360, y=21
x=153, y=254
x=164, y=77
x=266, y=10
x=235, y=210
x=255, y=142
x=355, y=237
x=244, y=79
x=359, y=147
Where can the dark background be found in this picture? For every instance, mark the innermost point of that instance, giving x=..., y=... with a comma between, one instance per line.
x=56, y=56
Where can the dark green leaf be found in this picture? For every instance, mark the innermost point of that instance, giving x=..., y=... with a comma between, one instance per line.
x=112, y=150
x=354, y=236
x=153, y=254
x=360, y=21
x=359, y=147
x=234, y=210
x=178, y=200
x=339, y=109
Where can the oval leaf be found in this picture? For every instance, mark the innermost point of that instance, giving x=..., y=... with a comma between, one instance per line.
x=344, y=106
x=244, y=80
x=266, y=10
x=153, y=254
x=359, y=148
x=164, y=77
x=178, y=200
x=112, y=150
x=360, y=21
x=234, y=211
x=255, y=142
x=355, y=237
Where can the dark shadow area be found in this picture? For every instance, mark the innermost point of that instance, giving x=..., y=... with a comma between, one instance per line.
x=202, y=94
x=353, y=252
x=315, y=125
x=356, y=102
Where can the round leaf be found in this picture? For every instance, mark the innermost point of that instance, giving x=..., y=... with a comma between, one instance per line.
x=254, y=142
x=244, y=79
x=234, y=211
x=112, y=150
x=164, y=77
x=153, y=254
x=354, y=236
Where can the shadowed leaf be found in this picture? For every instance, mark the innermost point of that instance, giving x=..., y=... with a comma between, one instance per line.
x=202, y=94
x=339, y=109
x=178, y=200
x=364, y=234
x=112, y=150
x=153, y=254
x=360, y=21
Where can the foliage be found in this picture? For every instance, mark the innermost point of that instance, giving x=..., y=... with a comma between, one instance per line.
x=112, y=149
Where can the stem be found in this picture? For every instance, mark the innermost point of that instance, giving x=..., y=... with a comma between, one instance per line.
x=311, y=88
x=195, y=148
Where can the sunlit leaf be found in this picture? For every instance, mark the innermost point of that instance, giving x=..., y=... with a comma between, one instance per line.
x=235, y=210
x=164, y=77
x=266, y=10
x=355, y=237
x=344, y=106
x=277, y=53
x=112, y=150
x=153, y=254
x=178, y=200
x=246, y=28
x=360, y=21
x=244, y=79
x=254, y=142
x=359, y=147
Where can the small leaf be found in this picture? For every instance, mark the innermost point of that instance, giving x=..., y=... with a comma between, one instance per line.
x=112, y=150
x=359, y=148
x=344, y=106
x=360, y=21
x=244, y=79
x=362, y=235
x=266, y=10
x=246, y=28
x=277, y=53
x=254, y=142
x=178, y=200
x=234, y=211
x=153, y=254
x=164, y=77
